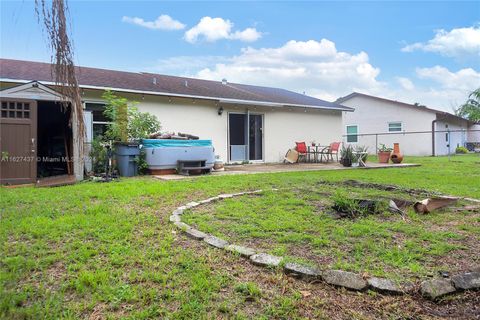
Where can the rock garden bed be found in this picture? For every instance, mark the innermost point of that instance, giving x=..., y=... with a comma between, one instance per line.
x=346, y=234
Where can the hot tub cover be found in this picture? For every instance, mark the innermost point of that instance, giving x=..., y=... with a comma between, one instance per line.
x=155, y=143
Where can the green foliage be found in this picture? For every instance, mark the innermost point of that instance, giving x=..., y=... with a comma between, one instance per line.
x=141, y=124
x=116, y=110
x=471, y=108
x=383, y=148
x=344, y=203
x=107, y=249
x=346, y=153
x=127, y=122
x=142, y=162
x=249, y=290
x=461, y=150
x=98, y=153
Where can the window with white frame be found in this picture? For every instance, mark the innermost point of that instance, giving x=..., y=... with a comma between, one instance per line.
x=395, y=126
x=100, y=121
x=352, y=133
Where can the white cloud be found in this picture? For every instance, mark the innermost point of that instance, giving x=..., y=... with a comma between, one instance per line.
x=163, y=22
x=458, y=42
x=405, y=83
x=463, y=79
x=213, y=29
x=315, y=67
x=320, y=70
x=444, y=90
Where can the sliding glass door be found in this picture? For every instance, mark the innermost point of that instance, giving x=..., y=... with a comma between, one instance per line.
x=245, y=136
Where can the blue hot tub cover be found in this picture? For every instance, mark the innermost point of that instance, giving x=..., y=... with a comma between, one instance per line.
x=155, y=143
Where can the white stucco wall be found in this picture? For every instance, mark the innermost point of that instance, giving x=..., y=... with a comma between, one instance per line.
x=373, y=115
x=282, y=126
x=474, y=133
x=457, y=136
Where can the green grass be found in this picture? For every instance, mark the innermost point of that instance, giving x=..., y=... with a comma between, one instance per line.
x=296, y=223
x=109, y=250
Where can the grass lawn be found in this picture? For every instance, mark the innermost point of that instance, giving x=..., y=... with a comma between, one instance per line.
x=96, y=251
x=298, y=224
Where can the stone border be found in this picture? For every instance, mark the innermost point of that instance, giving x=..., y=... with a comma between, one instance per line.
x=432, y=289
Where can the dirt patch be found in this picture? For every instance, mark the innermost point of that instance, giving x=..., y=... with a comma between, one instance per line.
x=319, y=300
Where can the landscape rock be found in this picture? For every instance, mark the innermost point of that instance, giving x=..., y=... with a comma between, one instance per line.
x=195, y=234
x=267, y=260
x=409, y=287
x=181, y=225
x=192, y=204
x=436, y=288
x=174, y=218
x=301, y=271
x=178, y=211
x=182, y=208
x=216, y=242
x=467, y=281
x=384, y=285
x=345, y=279
x=239, y=194
x=243, y=251
x=225, y=196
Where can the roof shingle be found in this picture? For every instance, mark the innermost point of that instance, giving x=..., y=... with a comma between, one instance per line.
x=164, y=84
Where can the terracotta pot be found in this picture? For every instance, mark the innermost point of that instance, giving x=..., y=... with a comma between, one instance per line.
x=383, y=156
x=396, y=156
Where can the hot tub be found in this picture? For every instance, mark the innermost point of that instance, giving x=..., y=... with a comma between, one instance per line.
x=164, y=154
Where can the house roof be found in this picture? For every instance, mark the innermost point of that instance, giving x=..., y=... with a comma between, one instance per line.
x=158, y=84
x=443, y=114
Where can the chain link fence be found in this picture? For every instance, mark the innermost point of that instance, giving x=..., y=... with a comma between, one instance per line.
x=418, y=143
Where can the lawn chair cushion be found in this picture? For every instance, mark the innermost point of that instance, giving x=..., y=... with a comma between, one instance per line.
x=301, y=147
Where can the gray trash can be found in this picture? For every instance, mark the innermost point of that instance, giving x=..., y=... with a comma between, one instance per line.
x=126, y=155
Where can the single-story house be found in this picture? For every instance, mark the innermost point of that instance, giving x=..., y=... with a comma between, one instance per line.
x=420, y=130
x=245, y=122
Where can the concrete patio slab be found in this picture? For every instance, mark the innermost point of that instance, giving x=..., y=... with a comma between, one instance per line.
x=281, y=167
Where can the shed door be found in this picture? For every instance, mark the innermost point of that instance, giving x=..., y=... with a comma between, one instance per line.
x=18, y=141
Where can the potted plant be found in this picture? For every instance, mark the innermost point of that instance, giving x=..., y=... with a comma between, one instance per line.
x=126, y=128
x=384, y=153
x=346, y=155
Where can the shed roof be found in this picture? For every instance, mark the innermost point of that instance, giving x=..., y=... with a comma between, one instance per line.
x=150, y=83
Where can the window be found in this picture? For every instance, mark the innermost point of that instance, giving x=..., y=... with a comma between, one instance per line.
x=352, y=133
x=100, y=121
x=394, y=127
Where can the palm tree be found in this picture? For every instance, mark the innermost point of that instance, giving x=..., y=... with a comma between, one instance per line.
x=471, y=108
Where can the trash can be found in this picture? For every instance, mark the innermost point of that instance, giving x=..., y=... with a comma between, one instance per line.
x=126, y=155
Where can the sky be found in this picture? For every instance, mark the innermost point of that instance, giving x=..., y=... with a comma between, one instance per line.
x=425, y=52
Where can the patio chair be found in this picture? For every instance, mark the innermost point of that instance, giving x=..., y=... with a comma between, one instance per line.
x=330, y=151
x=302, y=150
x=291, y=156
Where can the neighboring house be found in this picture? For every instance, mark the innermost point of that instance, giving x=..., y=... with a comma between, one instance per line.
x=419, y=130
x=245, y=122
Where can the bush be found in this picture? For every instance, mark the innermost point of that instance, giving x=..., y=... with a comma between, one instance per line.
x=128, y=123
x=461, y=150
x=98, y=153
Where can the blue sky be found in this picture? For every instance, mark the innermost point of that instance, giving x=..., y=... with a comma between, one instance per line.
x=427, y=52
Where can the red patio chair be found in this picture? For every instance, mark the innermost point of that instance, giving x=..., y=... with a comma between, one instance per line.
x=302, y=150
x=330, y=151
